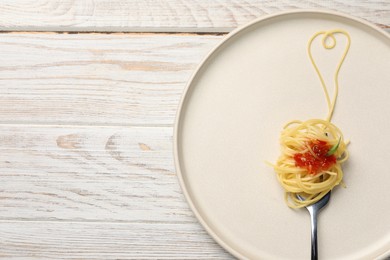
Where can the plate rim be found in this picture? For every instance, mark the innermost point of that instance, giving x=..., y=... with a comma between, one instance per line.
x=187, y=88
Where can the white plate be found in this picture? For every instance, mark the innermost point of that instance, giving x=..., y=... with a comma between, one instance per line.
x=229, y=122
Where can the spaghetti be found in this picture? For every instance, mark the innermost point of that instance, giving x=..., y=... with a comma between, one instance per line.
x=312, y=151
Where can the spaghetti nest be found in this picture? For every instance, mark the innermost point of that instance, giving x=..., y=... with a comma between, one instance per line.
x=312, y=151
x=317, y=171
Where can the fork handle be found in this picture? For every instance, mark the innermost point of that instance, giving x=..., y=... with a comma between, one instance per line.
x=314, y=248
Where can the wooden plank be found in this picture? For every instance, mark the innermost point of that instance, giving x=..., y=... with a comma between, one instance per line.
x=96, y=79
x=89, y=174
x=101, y=79
x=166, y=16
x=82, y=240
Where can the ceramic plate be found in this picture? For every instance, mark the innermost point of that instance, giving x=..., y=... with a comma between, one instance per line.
x=229, y=122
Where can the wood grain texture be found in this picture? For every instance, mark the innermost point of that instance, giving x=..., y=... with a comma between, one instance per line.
x=75, y=240
x=170, y=15
x=96, y=79
x=89, y=174
x=74, y=192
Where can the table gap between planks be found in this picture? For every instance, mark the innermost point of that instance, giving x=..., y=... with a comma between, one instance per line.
x=86, y=119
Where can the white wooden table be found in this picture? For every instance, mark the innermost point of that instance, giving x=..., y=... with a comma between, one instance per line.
x=88, y=95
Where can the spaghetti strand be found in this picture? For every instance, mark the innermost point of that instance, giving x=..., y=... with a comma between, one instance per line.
x=305, y=166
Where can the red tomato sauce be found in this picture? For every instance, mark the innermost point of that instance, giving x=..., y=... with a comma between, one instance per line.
x=318, y=162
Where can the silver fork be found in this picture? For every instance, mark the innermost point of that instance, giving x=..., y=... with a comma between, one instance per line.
x=314, y=210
